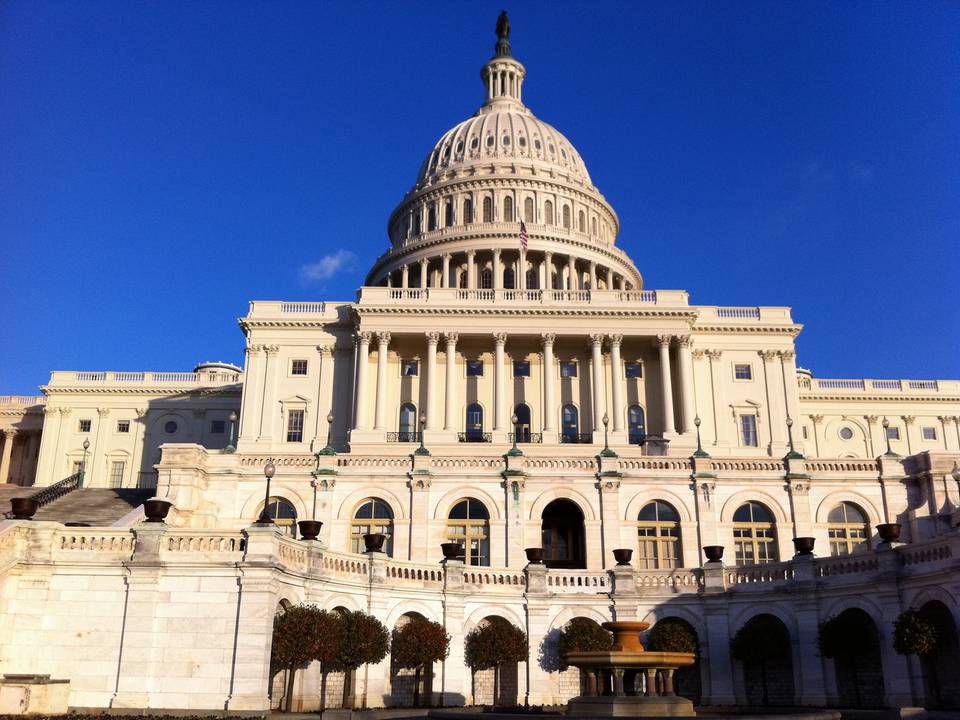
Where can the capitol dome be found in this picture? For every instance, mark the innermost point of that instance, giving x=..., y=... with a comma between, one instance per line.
x=501, y=174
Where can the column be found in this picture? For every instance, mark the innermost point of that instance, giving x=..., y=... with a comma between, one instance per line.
x=910, y=431
x=380, y=403
x=266, y=400
x=500, y=421
x=445, y=280
x=424, y=263
x=549, y=406
x=775, y=410
x=405, y=277
x=572, y=283
x=593, y=275
x=616, y=383
x=609, y=278
x=548, y=271
x=497, y=271
x=719, y=407
x=432, y=339
x=363, y=361
x=251, y=388
x=875, y=440
x=139, y=429
x=96, y=450
x=791, y=391
x=687, y=399
x=324, y=405
x=522, y=279
x=8, y=435
x=471, y=270
x=450, y=401
x=596, y=371
x=666, y=384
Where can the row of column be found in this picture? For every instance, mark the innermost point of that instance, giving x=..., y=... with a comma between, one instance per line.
x=27, y=458
x=572, y=274
x=501, y=412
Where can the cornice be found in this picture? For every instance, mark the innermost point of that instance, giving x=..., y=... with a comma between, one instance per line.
x=236, y=389
x=558, y=311
x=850, y=397
x=791, y=330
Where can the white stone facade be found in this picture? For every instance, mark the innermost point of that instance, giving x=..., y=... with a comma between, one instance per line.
x=623, y=400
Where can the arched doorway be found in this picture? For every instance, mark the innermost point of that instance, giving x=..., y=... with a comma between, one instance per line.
x=569, y=424
x=856, y=658
x=636, y=425
x=941, y=681
x=408, y=423
x=406, y=689
x=474, y=423
x=522, y=412
x=562, y=535
x=763, y=648
x=490, y=686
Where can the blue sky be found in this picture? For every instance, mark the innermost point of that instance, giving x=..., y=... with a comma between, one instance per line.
x=162, y=163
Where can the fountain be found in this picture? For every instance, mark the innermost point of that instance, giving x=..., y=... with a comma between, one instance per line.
x=628, y=681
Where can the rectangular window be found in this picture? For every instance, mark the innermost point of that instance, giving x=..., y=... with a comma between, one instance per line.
x=295, y=426
x=474, y=368
x=85, y=425
x=805, y=436
x=123, y=426
x=298, y=367
x=893, y=433
x=742, y=372
x=116, y=474
x=218, y=427
x=748, y=430
x=410, y=368
x=521, y=368
x=929, y=433
x=568, y=368
x=633, y=370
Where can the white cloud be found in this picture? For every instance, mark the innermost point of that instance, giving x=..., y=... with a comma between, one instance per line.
x=326, y=267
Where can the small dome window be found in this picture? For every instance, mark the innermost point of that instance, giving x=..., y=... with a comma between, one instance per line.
x=846, y=433
x=475, y=143
x=460, y=147
x=551, y=148
x=489, y=140
x=506, y=140
x=563, y=153
x=446, y=153
x=536, y=143
x=522, y=141
x=170, y=427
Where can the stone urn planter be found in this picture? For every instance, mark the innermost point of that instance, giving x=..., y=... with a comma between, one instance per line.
x=24, y=508
x=373, y=542
x=803, y=545
x=622, y=555
x=714, y=553
x=452, y=550
x=889, y=532
x=156, y=509
x=309, y=529
x=534, y=556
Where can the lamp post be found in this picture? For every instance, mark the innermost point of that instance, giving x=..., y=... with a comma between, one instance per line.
x=793, y=454
x=83, y=465
x=233, y=424
x=268, y=472
x=606, y=452
x=328, y=450
x=422, y=450
x=700, y=452
x=886, y=434
x=515, y=421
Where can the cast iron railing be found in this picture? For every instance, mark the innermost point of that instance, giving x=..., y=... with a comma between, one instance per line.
x=403, y=436
x=526, y=437
x=577, y=438
x=58, y=489
x=473, y=436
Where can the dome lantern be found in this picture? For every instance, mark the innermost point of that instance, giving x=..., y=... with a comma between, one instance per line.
x=503, y=75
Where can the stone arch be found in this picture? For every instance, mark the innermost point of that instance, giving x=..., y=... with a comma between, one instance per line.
x=835, y=498
x=662, y=612
x=408, y=607
x=831, y=432
x=568, y=613
x=443, y=506
x=857, y=664
x=349, y=602
x=853, y=602
x=737, y=499
x=251, y=505
x=562, y=493
x=929, y=594
x=481, y=613
x=349, y=503
x=748, y=612
x=638, y=501
x=769, y=678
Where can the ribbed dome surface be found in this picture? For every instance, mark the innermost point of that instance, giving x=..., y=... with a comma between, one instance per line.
x=498, y=134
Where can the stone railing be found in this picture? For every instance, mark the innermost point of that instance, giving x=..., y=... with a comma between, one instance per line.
x=578, y=581
x=60, y=378
x=104, y=543
x=486, y=577
x=372, y=295
x=750, y=575
x=202, y=545
x=709, y=315
x=847, y=565
x=866, y=386
x=23, y=401
x=681, y=580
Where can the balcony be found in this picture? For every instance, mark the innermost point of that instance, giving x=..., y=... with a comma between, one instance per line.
x=403, y=437
x=577, y=438
x=864, y=386
x=535, y=297
x=526, y=437
x=475, y=436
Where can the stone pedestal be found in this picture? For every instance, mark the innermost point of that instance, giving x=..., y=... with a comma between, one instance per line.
x=630, y=706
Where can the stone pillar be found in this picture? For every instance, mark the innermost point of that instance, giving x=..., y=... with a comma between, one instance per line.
x=599, y=394
x=687, y=399
x=445, y=280
x=454, y=678
x=609, y=488
x=267, y=415
x=380, y=404
x=424, y=268
x=548, y=270
x=948, y=424
x=471, y=269
x=791, y=391
x=405, y=277
x=800, y=509
x=720, y=409
x=716, y=653
x=94, y=467
x=324, y=396
x=609, y=278
x=909, y=432
x=500, y=416
x=616, y=384
x=522, y=275
x=537, y=680
x=775, y=408
x=8, y=436
x=432, y=339
x=549, y=404
x=497, y=270
x=363, y=361
x=810, y=691
x=593, y=275
x=252, y=387
x=450, y=401
x=59, y=471
x=572, y=283
x=666, y=384
x=875, y=440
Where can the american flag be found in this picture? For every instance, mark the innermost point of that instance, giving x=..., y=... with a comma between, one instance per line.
x=523, y=236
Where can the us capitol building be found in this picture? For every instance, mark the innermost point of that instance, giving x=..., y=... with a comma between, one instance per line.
x=504, y=380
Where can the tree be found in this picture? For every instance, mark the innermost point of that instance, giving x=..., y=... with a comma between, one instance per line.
x=330, y=640
x=582, y=635
x=418, y=643
x=301, y=633
x=913, y=634
x=673, y=635
x=495, y=642
x=846, y=637
x=759, y=641
x=365, y=640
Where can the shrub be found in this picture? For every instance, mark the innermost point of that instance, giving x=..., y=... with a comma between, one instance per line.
x=302, y=633
x=582, y=635
x=495, y=642
x=913, y=634
x=418, y=643
x=365, y=640
x=673, y=635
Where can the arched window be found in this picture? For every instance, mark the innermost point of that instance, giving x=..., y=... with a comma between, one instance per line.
x=488, y=209
x=566, y=216
x=848, y=529
x=474, y=423
x=508, y=209
x=522, y=428
x=658, y=528
x=469, y=525
x=548, y=213
x=533, y=281
x=528, y=209
x=283, y=514
x=408, y=423
x=753, y=535
x=562, y=535
x=416, y=223
x=467, y=211
x=486, y=279
x=509, y=279
x=593, y=225
x=448, y=214
x=570, y=424
x=432, y=217
x=581, y=221
x=636, y=424
x=371, y=516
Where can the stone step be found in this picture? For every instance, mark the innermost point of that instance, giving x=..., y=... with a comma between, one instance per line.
x=97, y=507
